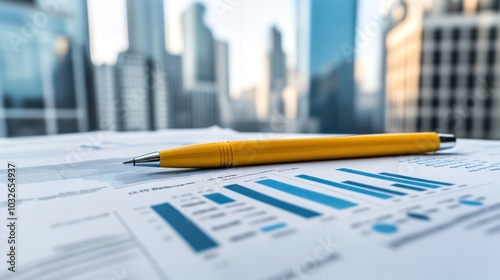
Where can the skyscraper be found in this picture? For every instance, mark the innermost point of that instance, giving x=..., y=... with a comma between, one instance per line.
x=77, y=10
x=146, y=28
x=134, y=90
x=222, y=77
x=141, y=71
x=199, y=48
x=443, y=68
x=179, y=104
x=277, y=73
x=331, y=54
x=107, y=103
x=42, y=71
x=199, y=67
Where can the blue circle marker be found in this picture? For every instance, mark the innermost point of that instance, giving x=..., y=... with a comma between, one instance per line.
x=471, y=202
x=385, y=228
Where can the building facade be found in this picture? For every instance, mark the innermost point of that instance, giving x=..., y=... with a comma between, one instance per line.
x=450, y=80
x=107, y=102
x=42, y=70
x=199, y=48
x=331, y=50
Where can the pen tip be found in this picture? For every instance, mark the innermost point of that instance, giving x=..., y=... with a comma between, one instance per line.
x=129, y=162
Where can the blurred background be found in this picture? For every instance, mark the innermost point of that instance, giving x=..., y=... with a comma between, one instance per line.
x=328, y=66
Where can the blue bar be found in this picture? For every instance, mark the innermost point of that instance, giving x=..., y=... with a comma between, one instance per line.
x=408, y=187
x=345, y=187
x=470, y=202
x=192, y=234
x=416, y=179
x=418, y=216
x=297, y=210
x=387, y=178
x=219, y=198
x=373, y=188
x=327, y=200
x=273, y=227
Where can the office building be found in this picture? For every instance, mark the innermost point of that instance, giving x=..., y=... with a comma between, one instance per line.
x=180, y=103
x=330, y=55
x=204, y=105
x=404, y=43
x=146, y=28
x=77, y=10
x=442, y=68
x=222, y=77
x=201, y=75
x=107, y=103
x=142, y=71
x=160, y=96
x=42, y=71
x=199, y=48
x=277, y=74
x=134, y=91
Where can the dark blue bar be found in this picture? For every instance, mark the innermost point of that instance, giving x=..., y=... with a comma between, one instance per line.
x=273, y=227
x=470, y=202
x=373, y=188
x=416, y=179
x=387, y=178
x=219, y=198
x=303, y=212
x=327, y=200
x=418, y=216
x=408, y=187
x=192, y=234
x=345, y=187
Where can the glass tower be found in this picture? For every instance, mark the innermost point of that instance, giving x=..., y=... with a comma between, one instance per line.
x=39, y=75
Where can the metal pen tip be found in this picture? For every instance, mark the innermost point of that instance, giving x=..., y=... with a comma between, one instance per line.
x=132, y=161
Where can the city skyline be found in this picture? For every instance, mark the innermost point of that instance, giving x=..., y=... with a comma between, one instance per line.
x=248, y=51
x=203, y=98
x=382, y=71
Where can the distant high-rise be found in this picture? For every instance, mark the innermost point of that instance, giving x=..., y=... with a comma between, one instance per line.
x=277, y=73
x=442, y=69
x=107, y=102
x=222, y=77
x=199, y=68
x=146, y=28
x=331, y=51
x=199, y=48
x=141, y=71
x=134, y=90
x=179, y=104
x=204, y=106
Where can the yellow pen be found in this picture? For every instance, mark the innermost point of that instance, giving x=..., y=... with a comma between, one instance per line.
x=256, y=152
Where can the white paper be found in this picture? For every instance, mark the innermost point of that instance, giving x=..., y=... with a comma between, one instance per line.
x=99, y=219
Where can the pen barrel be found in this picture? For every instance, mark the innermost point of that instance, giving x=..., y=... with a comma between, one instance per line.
x=296, y=150
x=254, y=152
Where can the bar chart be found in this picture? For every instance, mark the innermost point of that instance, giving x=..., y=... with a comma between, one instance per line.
x=241, y=211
